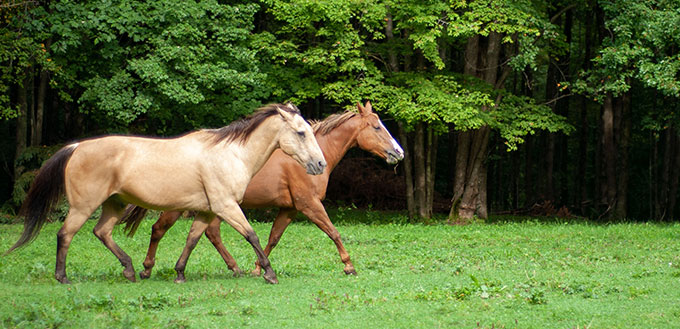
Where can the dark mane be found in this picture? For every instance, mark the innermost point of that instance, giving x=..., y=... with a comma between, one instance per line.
x=333, y=121
x=239, y=131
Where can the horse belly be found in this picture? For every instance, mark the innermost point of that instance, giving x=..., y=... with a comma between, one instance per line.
x=164, y=191
x=263, y=193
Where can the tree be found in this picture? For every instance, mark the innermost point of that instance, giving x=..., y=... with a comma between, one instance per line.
x=178, y=64
x=638, y=45
x=118, y=66
x=22, y=53
x=338, y=51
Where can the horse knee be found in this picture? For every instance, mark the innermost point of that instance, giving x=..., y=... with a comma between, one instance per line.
x=252, y=238
x=101, y=233
x=63, y=238
x=158, y=231
x=334, y=235
x=212, y=234
x=61, y=235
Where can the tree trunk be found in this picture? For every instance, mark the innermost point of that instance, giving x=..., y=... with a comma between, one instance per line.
x=471, y=56
x=609, y=155
x=581, y=187
x=37, y=127
x=462, y=156
x=653, y=176
x=419, y=166
x=565, y=195
x=470, y=201
x=663, y=195
x=623, y=143
x=675, y=176
x=514, y=192
x=22, y=122
x=470, y=186
x=408, y=172
x=549, y=138
x=393, y=62
x=464, y=137
x=430, y=170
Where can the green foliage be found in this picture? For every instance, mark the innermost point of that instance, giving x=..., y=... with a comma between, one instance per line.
x=22, y=47
x=639, y=50
x=641, y=44
x=182, y=64
x=179, y=65
x=27, y=165
x=311, y=45
x=440, y=99
x=21, y=186
x=329, y=50
x=518, y=116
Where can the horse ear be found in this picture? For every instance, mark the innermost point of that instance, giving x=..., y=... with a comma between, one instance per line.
x=369, y=107
x=364, y=111
x=287, y=116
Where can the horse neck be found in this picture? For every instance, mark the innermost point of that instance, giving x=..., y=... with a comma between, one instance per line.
x=260, y=145
x=338, y=141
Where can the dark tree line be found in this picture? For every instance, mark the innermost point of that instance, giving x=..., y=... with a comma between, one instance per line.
x=556, y=108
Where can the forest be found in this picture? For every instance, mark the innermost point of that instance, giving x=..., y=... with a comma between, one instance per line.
x=555, y=108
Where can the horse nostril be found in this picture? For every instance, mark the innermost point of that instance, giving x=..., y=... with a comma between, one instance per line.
x=322, y=164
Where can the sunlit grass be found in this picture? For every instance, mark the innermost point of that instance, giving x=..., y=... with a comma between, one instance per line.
x=526, y=274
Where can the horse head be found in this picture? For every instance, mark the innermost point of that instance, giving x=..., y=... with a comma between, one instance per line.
x=374, y=137
x=297, y=140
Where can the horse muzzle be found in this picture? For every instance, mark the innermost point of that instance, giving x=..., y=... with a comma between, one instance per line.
x=394, y=156
x=316, y=167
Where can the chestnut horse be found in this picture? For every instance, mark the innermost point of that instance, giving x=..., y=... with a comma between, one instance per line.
x=205, y=171
x=282, y=184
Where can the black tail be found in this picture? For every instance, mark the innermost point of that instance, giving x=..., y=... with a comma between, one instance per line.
x=47, y=188
x=132, y=218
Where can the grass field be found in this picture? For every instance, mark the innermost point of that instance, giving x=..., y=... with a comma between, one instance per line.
x=527, y=274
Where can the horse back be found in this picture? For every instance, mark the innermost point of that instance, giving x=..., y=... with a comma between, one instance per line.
x=136, y=168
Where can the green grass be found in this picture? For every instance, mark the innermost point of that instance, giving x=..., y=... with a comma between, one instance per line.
x=503, y=275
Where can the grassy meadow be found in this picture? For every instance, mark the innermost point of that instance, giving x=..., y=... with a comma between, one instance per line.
x=505, y=274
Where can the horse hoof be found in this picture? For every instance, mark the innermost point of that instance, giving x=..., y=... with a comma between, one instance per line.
x=180, y=280
x=351, y=272
x=273, y=280
x=130, y=276
x=255, y=272
x=270, y=277
x=143, y=275
x=238, y=272
x=64, y=280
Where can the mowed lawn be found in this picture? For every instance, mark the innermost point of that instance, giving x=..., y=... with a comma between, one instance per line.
x=528, y=274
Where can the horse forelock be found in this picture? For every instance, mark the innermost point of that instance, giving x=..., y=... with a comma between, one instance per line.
x=240, y=130
x=331, y=122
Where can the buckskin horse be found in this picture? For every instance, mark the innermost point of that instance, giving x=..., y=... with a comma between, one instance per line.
x=282, y=184
x=206, y=171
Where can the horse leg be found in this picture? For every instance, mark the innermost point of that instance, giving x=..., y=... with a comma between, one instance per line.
x=232, y=214
x=165, y=222
x=199, y=226
x=317, y=214
x=73, y=222
x=112, y=211
x=213, y=234
x=283, y=219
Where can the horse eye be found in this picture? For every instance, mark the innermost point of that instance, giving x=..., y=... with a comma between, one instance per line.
x=301, y=134
x=376, y=128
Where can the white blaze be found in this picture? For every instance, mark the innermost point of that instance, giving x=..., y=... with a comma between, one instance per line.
x=395, y=145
